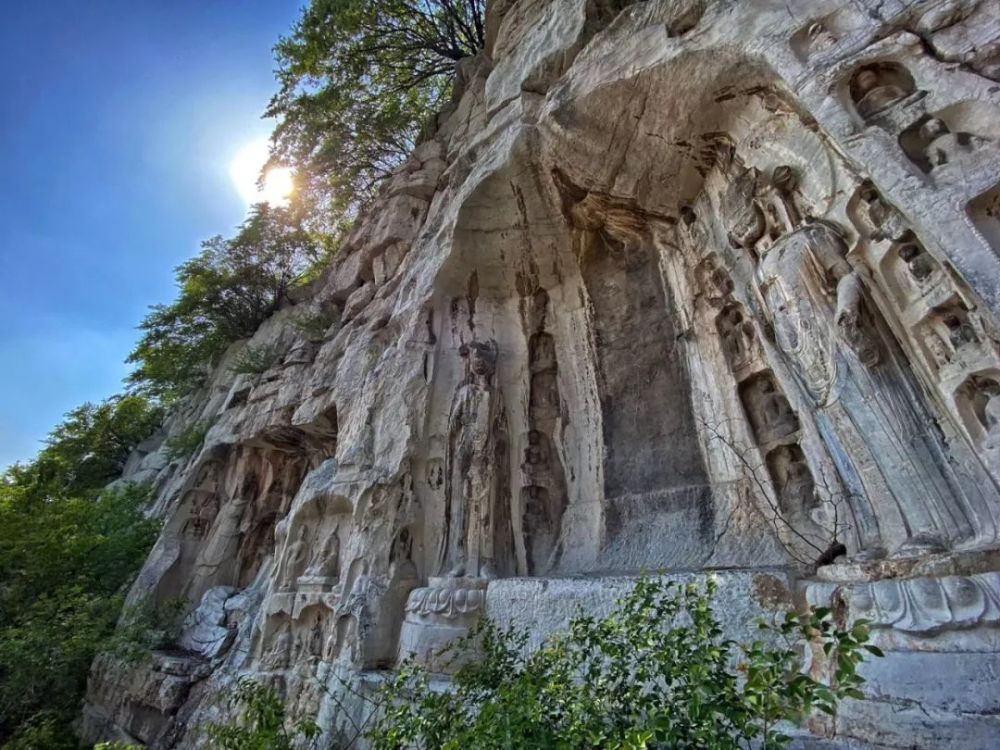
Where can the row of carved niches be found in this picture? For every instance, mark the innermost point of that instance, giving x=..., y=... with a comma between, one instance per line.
x=775, y=427
x=303, y=607
x=907, y=487
x=935, y=312
x=226, y=519
x=544, y=496
x=956, y=31
x=954, y=144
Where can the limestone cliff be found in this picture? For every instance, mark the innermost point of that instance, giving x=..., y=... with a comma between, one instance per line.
x=685, y=285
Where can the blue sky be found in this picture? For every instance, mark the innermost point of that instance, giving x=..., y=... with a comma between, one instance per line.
x=118, y=121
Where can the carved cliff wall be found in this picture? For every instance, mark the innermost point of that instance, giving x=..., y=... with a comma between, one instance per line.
x=683, y=285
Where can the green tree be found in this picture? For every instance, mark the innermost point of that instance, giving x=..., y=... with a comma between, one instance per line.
x=262, y=723
x=89, y=448
x=68, y=550
x=657, y=672
x=225, y=293
x=64, y=567
x=358, y=81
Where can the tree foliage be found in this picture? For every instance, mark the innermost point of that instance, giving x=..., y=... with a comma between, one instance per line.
x=658, y=672
x=358, y=80
x=68, y=550
x=225, y=293
x=89, y=448
x=262, y=723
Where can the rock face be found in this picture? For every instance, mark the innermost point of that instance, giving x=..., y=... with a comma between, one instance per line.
x=681, y=285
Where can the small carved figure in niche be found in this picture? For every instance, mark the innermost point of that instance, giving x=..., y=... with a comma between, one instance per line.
x=714, y=281
x=737, y=336
x=536, y=455
x=793, y=480
x=316, y=639
x=979, y=398
x=770, y=414
x=476, y=458
x=919, y=262
x=202, y=517
x=877, y=87
x=878, y=219
x=759, y=212
x=960, y=331
x=536, y=510
x=745, y=217
x=295, y=559
x=820, y=37
x=326, y=564
x=543, y=352
x=281, y=647
x=943, y=146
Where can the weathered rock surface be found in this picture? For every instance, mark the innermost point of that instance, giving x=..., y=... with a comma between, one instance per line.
x=678, y=285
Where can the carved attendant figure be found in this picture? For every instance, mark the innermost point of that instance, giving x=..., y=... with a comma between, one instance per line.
x=295, y=560
x=868, y=411
x=476, y=451
x=327, y=563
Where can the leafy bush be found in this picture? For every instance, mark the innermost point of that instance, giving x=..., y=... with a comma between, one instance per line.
x=68, y=550
x=89, y=448
x=358, y=81
x=226, y=292
x=186, y=443
x=256, y=360
x=313, y=326
x=658, y=672
x=145, y=627
x=262, y=724
x=64, y=565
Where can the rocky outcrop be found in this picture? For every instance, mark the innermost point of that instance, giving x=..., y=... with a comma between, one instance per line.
x=677, y=285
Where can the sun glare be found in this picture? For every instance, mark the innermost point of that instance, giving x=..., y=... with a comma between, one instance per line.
x=244, y=171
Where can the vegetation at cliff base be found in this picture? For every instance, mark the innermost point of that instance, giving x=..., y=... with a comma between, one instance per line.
x=262, y=722
x=656, y=673
x=68, y=551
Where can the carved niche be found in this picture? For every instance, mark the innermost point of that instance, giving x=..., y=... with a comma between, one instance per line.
x=931, y=143
x=739, y=341
x=771, y=416
x=827, y=328
x=883, y=93
x=543, y=492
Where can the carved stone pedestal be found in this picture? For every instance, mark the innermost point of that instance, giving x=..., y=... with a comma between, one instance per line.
x=935, y=618
x=436, y=616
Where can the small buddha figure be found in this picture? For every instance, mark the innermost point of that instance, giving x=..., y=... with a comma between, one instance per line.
x=919, y=263
x=942, y=145
x=820, y=37
x=874, y=91
x=960, y=331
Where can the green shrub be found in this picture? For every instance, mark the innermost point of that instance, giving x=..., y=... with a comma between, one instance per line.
x=226, y=292
x=658, y=672
x=65, y=563
x=145, y=627
x=188, y=442
x=313, y=326
x=262, y=724
x=256, y=360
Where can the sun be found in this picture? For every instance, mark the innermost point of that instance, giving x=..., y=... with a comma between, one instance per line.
x=245, y=168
